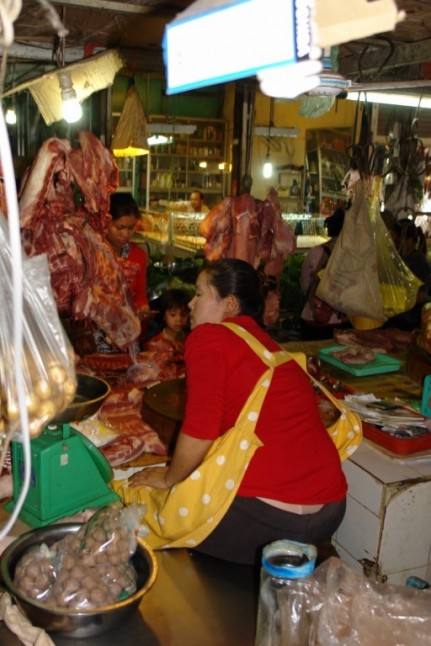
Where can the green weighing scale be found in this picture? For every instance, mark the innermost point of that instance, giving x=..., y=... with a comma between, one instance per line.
x=68, y=472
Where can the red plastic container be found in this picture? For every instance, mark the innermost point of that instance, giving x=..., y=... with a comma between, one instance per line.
x=396, y=445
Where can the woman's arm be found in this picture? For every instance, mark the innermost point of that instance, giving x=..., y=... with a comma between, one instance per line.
x=188, y=455
x=206, y=377
x=139, y=256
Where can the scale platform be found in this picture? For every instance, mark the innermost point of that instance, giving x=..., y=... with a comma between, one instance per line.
x=68, y=475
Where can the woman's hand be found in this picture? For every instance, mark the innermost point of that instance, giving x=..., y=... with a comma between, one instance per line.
x=144, y=312
x=189, y=453
x=151, y=476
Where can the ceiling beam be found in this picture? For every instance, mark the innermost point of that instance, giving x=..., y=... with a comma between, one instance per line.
x=403, y=56
x=29, y=61
x=118, y=7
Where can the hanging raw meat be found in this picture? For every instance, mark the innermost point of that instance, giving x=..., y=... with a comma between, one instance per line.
x=283, y=240
x=246, y=229
x=85, y=277
x=251, y=230
x=216, y=228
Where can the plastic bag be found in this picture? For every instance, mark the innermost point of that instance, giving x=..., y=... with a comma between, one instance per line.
x=350, y=282
x=365, y=276
x=336, y=606
x=398, y=285
x=95, y=430
x=88, y=569
x=357, y=611
x=143, y=372
x=48, y=358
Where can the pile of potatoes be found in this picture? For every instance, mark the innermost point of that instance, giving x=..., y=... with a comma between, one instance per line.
x=86, y=570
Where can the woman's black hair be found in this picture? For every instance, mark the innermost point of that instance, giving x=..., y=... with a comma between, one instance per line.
x=123, y=204
x=239, y=278
x=169, y=299
x=174, y=298
x=410, y=231
x=334, y=223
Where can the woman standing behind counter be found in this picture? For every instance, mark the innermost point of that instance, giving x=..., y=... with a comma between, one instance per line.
x=132, y=264
x=132, y=259
x=282, y=468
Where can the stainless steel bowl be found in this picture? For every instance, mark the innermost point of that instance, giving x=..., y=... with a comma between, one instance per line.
x=90, y=394
x=78, y=624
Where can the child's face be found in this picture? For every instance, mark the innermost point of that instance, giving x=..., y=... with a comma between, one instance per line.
x=176, y=319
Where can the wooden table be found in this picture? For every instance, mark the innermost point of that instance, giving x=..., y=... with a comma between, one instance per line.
x=389, y=385
x=196, y=600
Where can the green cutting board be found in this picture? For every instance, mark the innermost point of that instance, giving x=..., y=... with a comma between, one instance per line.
x=381, y=364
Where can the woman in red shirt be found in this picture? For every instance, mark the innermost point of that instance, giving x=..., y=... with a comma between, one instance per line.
x=293, y=486
x=132, y=259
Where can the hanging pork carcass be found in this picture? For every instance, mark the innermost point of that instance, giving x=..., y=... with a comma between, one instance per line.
x=64, y=212
x=253, y=230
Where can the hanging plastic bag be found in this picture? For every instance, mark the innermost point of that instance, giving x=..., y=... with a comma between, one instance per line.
x=350, y=283
x=47, y=356
x=365, y=276
x=398, y=285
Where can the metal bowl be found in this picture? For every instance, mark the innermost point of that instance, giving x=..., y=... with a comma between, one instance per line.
x=74, y=623
x=90, y=394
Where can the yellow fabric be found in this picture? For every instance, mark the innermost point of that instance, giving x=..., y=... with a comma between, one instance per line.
x=186, y=514
x=346, y=432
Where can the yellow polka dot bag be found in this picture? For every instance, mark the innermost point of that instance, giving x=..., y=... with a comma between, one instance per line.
x=186, y=514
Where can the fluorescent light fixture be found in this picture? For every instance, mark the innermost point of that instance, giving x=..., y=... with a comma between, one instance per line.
x=409, y=100
x=159, y=140
x=191, y=63
x=71, y=108
x=264, y=131
x=10, y=116
x=171, y=128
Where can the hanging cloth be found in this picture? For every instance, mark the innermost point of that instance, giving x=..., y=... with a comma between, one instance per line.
x=185, y=514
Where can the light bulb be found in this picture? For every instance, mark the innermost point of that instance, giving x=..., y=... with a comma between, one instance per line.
x=71, y=110
x=267, y=167
x=10, y=116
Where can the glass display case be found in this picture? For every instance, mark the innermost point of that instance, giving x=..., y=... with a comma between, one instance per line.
x=171, y=230
x=175, y=231
x=154, y=226
x=185, y=230
x=309, y=230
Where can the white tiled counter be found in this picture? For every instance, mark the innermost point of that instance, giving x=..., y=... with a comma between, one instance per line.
x=386, y=532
